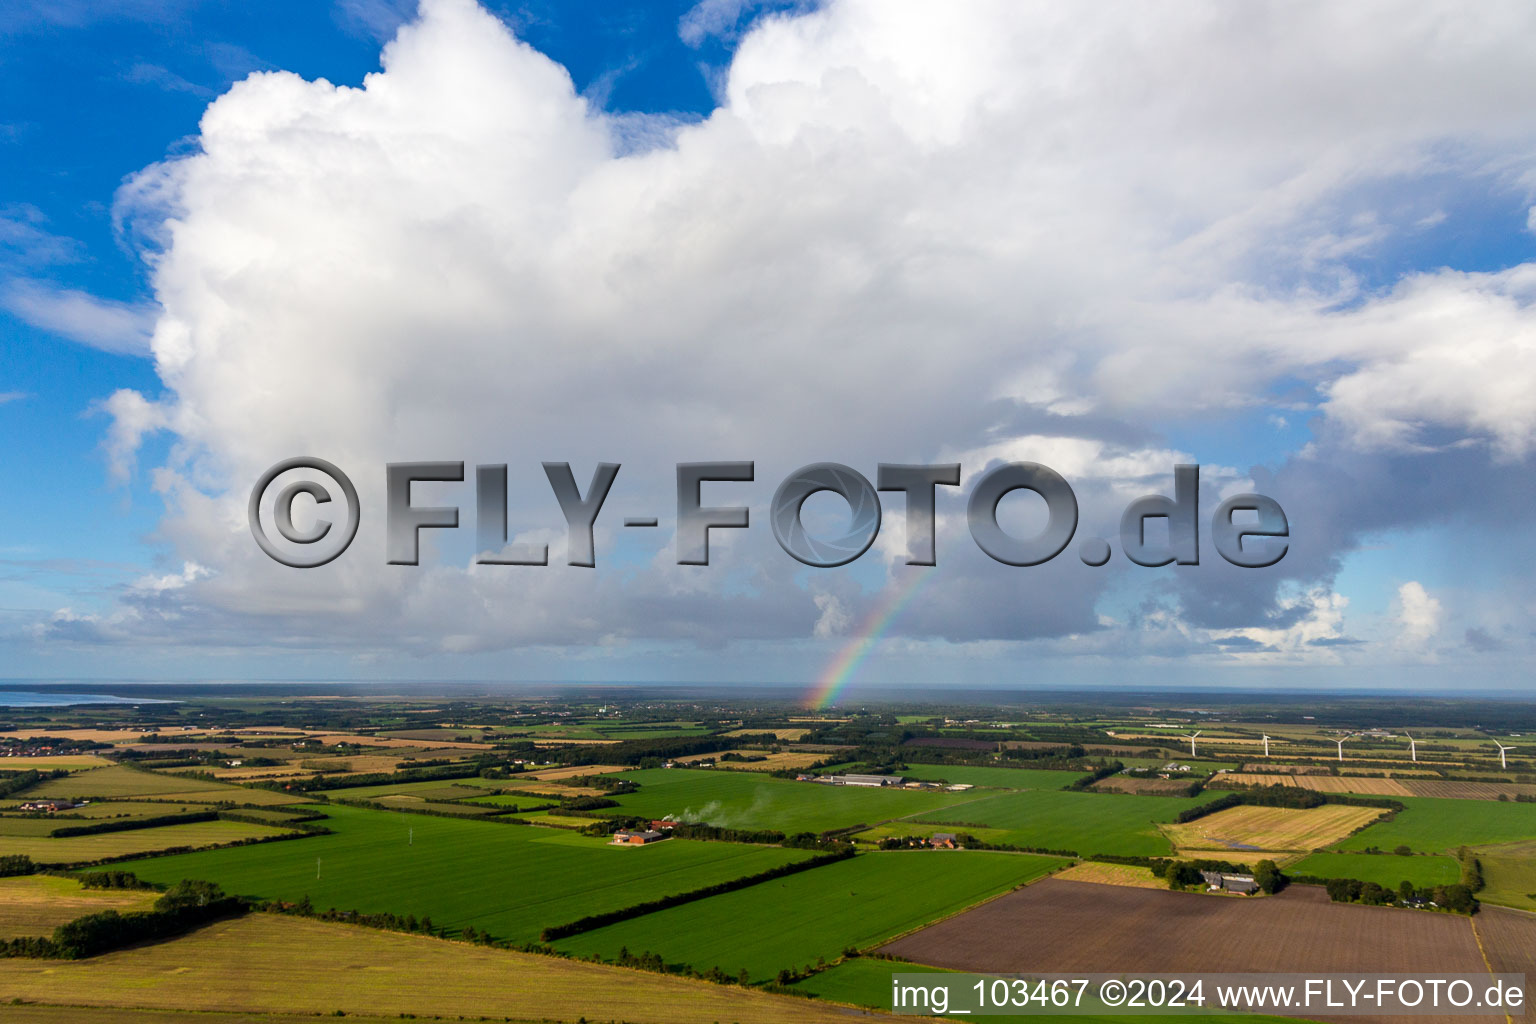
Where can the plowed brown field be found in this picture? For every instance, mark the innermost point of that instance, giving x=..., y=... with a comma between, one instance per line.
x=1055, y=925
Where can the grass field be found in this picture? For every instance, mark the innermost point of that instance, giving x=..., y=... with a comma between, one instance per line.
x=120, y=781
x=1509, y=874
x=1429, y=825
x=745, y=800
x=37, y=904
x=1271, y=828
x=791, y=921
x=907, y=829
x=1383, y=869
x=995, y=778
x=510, y=880
x=866, y=982
x=263, y=964
x=77, y=849
x=1085, y=822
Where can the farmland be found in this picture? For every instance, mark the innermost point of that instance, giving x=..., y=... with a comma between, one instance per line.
x=1057, y=925
x=1383, y=869
x=120, y=781
x=1271, y=828
x=1112, y=874
x=36, y=904
x=76, y=849
x=1442, y=789
x=268, y=964
x=868, y=983
x=42, y=825
x=1429, y=825
x=1087, y=823
x=790, y=922
x=506, y=882
x=1509, y=874
x=994, y=778
x=745, y=801
x=435, y=867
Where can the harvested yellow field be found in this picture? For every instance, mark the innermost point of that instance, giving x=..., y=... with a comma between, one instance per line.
x=789, y=735
x=772, y=762
x=1271, y=828
x=552, y=789
x=330, y=739
x=123, y=781
x=273, y=965
x=571, y=771
x=72, y=762
x=86, y=735
x=1112, y=874
x=785, y=759
x=37, y=904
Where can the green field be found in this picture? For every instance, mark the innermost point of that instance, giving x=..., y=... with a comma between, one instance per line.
x=908, y=829
x=510, y=880
x=861, y=981
x=1430, y=825
x=996, y=778
x=789, y=922
x=1509, y=875
x=75, y=849
x=1087, y=823
x=1384, y=869
x=751, y=801
x=868, y=983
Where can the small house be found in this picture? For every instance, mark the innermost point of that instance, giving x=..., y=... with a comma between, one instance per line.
x=943, y=841
x=1219, y=881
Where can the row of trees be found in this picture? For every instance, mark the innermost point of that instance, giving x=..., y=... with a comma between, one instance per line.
x=1455, y=898
x=186, y=905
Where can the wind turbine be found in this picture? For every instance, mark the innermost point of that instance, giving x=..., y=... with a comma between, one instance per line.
x=1502, y=748
x=1192, y=736
x=1413, y=747
x=1341, y=740
x=1266, y=746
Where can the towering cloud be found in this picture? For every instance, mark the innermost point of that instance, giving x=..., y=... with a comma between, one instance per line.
x=966, y=232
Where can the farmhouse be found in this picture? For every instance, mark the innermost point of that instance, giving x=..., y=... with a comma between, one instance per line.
x=636, y=837
x=1217, y=881
x=943, y=841
x=861, y=780
x=48, y=805
x=662, y=825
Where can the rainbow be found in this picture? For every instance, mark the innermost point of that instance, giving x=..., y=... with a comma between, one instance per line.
x=834, y=679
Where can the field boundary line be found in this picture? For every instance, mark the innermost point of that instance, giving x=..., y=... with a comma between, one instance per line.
x=1472, y=921
x=983, y=902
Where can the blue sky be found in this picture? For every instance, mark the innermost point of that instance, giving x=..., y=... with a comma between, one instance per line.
x=91, y=97
x=1355, y=250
